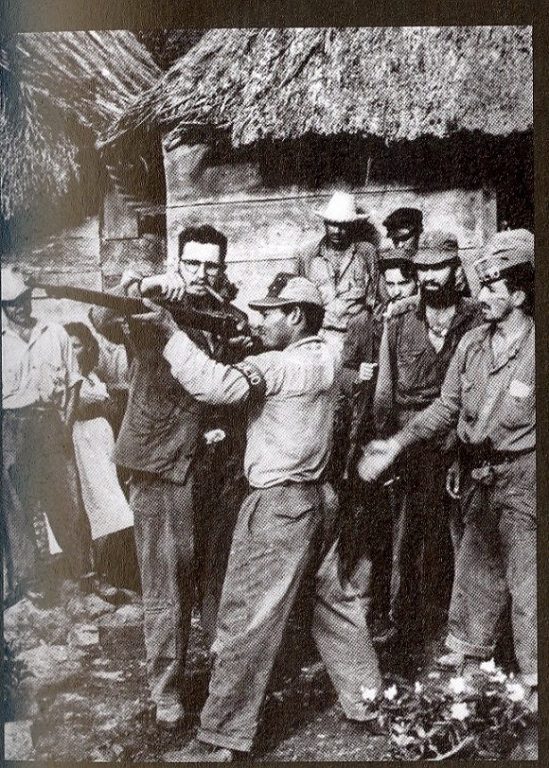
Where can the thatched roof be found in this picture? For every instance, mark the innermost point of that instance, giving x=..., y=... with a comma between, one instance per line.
x=393, y=82
x=56, y=88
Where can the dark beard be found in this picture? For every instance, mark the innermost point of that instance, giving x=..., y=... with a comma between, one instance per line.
x=446, y=296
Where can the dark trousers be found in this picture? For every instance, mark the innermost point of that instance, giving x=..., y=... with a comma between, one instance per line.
x=422, y=567
x=39, y=478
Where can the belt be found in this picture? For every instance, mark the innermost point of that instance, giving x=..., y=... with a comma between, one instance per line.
x=478, y=456
x=333, y=328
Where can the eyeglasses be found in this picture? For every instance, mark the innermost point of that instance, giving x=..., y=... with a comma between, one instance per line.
x=210, y=267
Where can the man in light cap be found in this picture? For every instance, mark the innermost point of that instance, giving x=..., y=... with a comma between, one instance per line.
x=39, y=390
x=489, y=393
x=343, y=268
x=415, y=352
x=285, y=526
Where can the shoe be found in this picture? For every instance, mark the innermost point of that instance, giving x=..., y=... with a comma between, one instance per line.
x=452, y=660
x=200, y=752
x=390, y=636
x=169, y=715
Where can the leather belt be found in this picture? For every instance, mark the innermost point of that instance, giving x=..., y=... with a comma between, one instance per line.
x=482, y=455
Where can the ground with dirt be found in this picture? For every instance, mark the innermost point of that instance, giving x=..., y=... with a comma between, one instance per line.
x=82, y=692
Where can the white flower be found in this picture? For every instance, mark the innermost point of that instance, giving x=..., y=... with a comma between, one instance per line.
x=368, y=694
x=488, y=666
x=457, y=685
x=515, y=691
x=499, y=677
x=391, y=693
x=459, y=711
x=418, y=688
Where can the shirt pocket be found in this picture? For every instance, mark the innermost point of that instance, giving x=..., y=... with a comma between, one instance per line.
x=517, y=412
x=411, y=369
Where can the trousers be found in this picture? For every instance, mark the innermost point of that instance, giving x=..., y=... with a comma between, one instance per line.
x=422, y=566
x=39, y=478
x=282, y=534
x=163, y=529
x=496, y=566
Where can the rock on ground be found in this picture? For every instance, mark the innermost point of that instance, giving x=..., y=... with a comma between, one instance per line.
x=18, y=740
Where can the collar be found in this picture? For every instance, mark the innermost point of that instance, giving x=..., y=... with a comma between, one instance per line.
x=38, y=329
x=485, y=341
x=306, y=340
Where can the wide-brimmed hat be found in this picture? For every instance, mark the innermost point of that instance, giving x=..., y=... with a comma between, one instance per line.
x=437, y=248
x=13, y=284
x=341, y=209
x=287, y=289
x=503, y=251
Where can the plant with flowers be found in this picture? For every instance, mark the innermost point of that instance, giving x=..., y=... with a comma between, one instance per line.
x=481, y=716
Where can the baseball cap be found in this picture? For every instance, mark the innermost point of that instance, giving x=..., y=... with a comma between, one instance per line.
x=287, y=289
x=410, y=219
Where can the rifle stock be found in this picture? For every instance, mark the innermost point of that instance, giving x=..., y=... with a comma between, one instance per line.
x=220, y=323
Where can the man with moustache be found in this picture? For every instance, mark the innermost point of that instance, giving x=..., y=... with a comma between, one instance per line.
x=416, y=349
x=285, y=529
x=489, y=394
x=158, y=443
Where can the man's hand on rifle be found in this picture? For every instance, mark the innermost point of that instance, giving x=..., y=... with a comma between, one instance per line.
x=158, y=317
x=169, y=286
x=376, y=458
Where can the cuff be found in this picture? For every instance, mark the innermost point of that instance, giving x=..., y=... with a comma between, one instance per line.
x=177, y=344
x=482, y=652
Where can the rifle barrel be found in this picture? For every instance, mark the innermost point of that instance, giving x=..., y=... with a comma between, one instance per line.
x=219, y=323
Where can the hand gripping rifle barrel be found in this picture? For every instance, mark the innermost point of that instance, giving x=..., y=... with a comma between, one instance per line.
x=220, y=323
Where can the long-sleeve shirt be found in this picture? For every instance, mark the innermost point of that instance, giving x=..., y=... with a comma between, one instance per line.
x=40, y=371
x=289, y=431
x=489, y=399
x=411, y=371
x=347, y=280
x=163, y=424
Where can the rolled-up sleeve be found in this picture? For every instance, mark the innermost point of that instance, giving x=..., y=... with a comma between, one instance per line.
x=443, y=414
x=204, y=378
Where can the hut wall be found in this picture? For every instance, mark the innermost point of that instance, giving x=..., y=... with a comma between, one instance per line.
x=70, y=257
x=267, y=227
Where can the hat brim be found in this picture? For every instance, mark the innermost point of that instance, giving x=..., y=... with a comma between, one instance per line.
x=425, y=259
x=271, y=302
x=333, y=220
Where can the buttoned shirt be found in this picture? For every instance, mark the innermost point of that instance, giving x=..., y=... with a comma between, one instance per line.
x=347, y=280
x=489, y=398
x=411, y=371
x=289, y=431
x=39, y=371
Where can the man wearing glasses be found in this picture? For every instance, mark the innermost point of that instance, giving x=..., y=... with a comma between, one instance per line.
x=160, y=433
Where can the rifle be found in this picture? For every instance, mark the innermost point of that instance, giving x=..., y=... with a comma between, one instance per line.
x=219, y=322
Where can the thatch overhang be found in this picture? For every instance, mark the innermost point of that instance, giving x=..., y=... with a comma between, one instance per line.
x=395, y=83
x=59, y=92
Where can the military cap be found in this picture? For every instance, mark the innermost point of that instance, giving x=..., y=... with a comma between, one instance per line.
x=287, y=289
x=13, y=285
x=436, y=248
x=410, y=219
x=503, y=251
x=394, y=257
